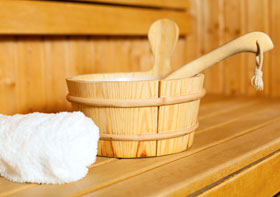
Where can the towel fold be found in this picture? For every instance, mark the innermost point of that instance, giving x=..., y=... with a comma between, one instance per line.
x=47, y=148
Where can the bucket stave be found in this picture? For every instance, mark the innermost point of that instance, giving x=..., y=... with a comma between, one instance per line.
x=133, y=116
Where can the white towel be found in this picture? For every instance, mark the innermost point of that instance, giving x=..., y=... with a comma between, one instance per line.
x=47, y=148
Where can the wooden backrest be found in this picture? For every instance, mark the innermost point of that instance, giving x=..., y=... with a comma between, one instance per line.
x=43, y=42
x=89, y=17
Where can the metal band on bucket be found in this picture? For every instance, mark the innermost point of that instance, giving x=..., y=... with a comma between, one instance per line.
x=148, y=137
x=126, y=103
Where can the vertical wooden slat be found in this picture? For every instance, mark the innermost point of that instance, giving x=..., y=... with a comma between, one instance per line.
x=234, y=70
x=275, y=54
x=55, y=73
x=7, y=75
x=30, y=75
x=26, y=17
x=213, y=31
x=243, y=61
x=178, y=57
x=33, y=68
x=257, y=21
x=140, y=55
x=239, y=17
x=194, y=40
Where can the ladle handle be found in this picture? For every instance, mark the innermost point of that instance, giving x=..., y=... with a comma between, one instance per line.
x=245, y=43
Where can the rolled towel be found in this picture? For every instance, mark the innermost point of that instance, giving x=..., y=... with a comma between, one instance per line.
x=47, y=148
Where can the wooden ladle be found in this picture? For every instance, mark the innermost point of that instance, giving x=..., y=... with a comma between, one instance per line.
x=245, y=43
x=163, y=36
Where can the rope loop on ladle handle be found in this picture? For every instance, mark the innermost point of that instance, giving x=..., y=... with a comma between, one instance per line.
x=257, y=81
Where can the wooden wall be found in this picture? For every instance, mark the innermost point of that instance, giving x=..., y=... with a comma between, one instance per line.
x=218, y=21
x=38, y=50
x=34, y=64
x=33, y=69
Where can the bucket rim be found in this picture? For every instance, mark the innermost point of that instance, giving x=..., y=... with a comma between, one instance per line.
x=124, y=79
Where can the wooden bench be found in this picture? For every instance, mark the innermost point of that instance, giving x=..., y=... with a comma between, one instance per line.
x=236, y=152
x=236, y=148
x=43, y=42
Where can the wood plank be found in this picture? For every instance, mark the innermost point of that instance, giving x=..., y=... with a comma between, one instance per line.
x=13, y=188
x=218, y=107
x=30, y=81
x=194, y=40
x=225, y=117
x=257, y=22
x=116, y=172
x=261, y=179
x=32, y=62
x=9, y=188
x=7, y=75
x=233, y=67
x=54, y=57
x=213, y=37
x=275, y=53
x=81, y=19
x=223, y=20
x=187, y=175
x=214, y=98
x=177, y=4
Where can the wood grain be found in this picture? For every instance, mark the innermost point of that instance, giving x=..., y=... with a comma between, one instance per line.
x=220, y=21
x=257, y=22
x=8, y=76
x=179, y=116
x=251, y=182
x=234, y=67
x=112, y=120
x=187, y=175
x=116, y=172
x=63, y=56
x=33, y=69
x=177, y=4
x=213, y=37
x=163, y=36
x=274, y=71
x=9, y=188
x=82, y=19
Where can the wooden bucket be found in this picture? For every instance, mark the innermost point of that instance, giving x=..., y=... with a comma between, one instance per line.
x=141, y=118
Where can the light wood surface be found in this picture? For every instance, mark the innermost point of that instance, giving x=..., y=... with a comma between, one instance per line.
x=163, y=36
x=33, y=69
x=68, y=18
x=120, y=120
x=218, y=21
x=179, y=116
x=217, y=152
x=177, y=4
x=259, y=187
x=244, y=43
x=62, y=56
x=125, y=110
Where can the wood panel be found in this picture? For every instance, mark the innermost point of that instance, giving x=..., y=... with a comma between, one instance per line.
x=216, y=22
x=247, y=139
x=250, y=182
x=275, y=54
x=257, y=22
x=177, y=4
x=234, y=66
x=49, y=17
x=33, y=68
x=213, y=36
x=187, y=175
